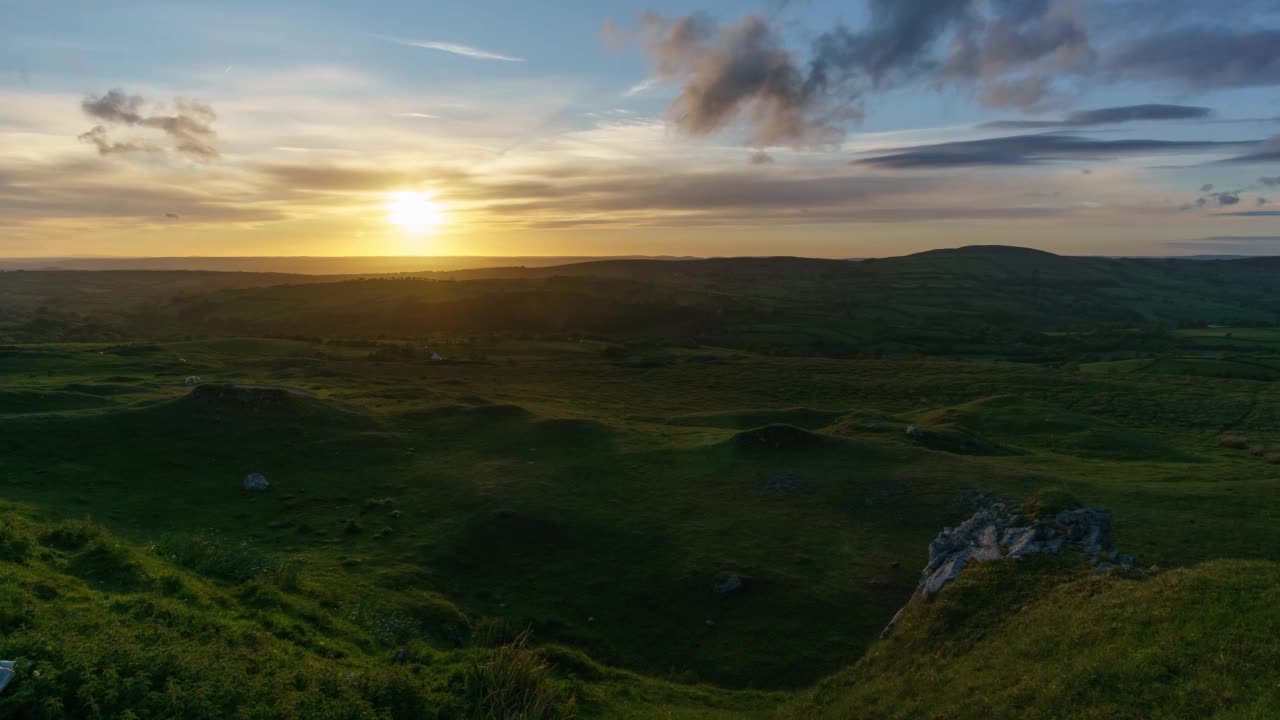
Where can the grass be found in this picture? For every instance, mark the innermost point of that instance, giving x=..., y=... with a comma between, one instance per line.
x=549, y=487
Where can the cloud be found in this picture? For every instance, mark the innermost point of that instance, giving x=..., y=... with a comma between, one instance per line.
x=1201, y=57
x=190, y=127
x=760, y=157
x=1270, y=181
x=1231, y=197
x=1030, y=150
x=418, y=115
x=172, y=216
x=1207, y=187
x=458, y=49
x=1266, y=152
x=738, y=72
x=98, y=137
x=1109, y=116
x=344, y=179
x=1250, y=213
x=1234, y=244
x=1008, y=48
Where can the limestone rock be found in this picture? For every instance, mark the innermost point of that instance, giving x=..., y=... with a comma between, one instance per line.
x=254, y=482
x=726, y=585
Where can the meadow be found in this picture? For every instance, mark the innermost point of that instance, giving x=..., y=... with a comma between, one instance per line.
x=540, y=520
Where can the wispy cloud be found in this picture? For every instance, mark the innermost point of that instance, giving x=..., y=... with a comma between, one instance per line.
x=458, y=49
x=419, y=115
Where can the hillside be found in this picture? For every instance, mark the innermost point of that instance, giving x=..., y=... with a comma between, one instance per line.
x=597, y=501
x=973, y=302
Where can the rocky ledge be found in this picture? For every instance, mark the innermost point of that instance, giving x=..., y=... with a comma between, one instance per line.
x=998, y=532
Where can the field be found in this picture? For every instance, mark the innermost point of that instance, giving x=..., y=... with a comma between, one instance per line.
x=547, y=514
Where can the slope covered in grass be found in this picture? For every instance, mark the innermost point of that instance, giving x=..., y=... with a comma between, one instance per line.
x=1053, y=640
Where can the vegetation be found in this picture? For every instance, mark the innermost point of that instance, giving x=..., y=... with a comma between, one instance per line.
x=534, y=526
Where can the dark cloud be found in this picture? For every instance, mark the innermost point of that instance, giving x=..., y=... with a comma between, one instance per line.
x=1110, y=116
x=760, y=157
x=1263, y=201
x=1030, y=150
x=1008, y=49
x=1208, y=187
x=1236, y=244
x=1266, y=152
x=1270, y=181
x=1226, y=198
x=190, y=127
x=739, y=72
x=98, y=137
x=1201, y=57
x=173, y=216
x=1251, y=213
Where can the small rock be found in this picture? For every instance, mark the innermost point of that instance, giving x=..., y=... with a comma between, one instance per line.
x=711, y=623
x=255, y=482
x=915, y=433
x=895, y=564
x=591, y=619
x=401, y=656
x=6, y=672
x=726, y=585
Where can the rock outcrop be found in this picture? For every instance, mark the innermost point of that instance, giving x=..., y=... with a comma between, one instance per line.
x=996, y=532
x=254, y=482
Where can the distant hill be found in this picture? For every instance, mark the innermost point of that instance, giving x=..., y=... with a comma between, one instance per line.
x=300, y=265
x=975, y=301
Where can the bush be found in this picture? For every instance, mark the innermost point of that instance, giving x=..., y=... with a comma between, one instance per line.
x=513, y=681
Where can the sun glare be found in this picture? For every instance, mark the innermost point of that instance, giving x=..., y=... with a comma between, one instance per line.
x=414, y=212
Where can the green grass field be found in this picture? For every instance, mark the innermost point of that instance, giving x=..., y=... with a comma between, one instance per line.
x=534, y=525
x=443, y=507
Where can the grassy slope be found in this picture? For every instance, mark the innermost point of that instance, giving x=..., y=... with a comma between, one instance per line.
x=1052, y=641
x=596, y=499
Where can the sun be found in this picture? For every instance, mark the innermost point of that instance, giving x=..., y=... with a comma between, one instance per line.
x=414, y=212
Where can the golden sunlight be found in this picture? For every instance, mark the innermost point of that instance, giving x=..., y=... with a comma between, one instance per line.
x=414, y=212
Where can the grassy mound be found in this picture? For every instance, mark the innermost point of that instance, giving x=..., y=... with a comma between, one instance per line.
x=1044, y=640
x=781, y=438
x=801, y=417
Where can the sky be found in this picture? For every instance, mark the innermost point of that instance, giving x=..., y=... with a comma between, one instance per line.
x=824, y=128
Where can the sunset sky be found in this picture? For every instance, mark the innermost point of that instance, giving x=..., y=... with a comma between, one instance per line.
x=609, y=127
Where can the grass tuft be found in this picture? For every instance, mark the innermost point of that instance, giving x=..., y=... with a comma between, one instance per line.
x=514, y=682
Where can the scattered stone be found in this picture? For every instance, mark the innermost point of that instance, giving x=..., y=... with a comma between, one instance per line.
x=255, y=482
x=401, y=656
x=711, y=623
x=895, y=564
x=726, y=585
x=915, y=433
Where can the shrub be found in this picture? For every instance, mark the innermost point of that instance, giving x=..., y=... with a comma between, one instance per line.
x=513, y=681
x=1233, y=442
